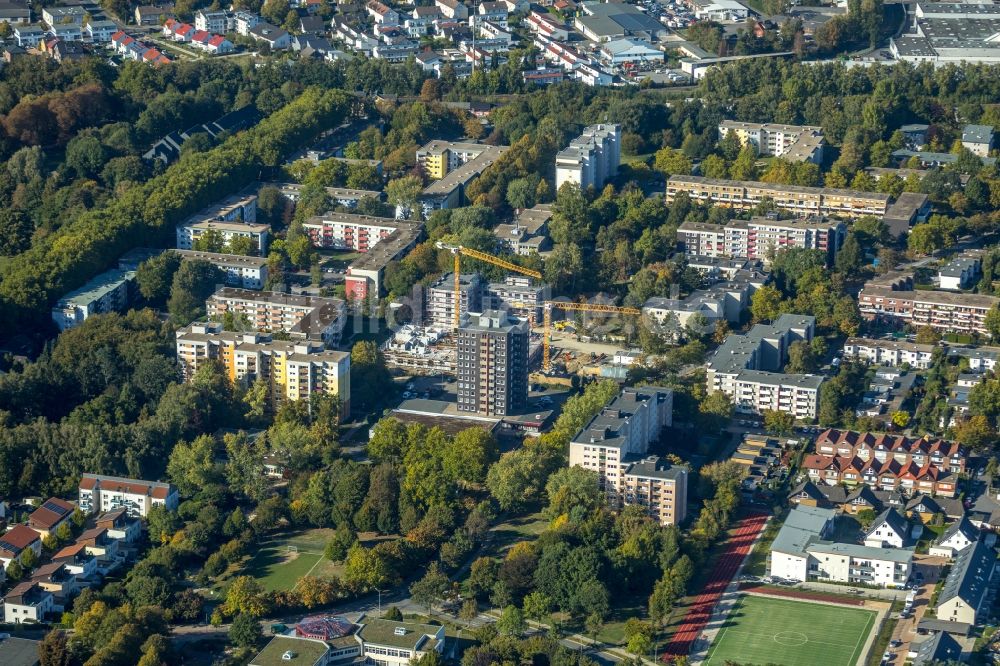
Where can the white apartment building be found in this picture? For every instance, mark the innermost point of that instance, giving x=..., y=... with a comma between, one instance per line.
x=110, y=291
x=747, y=369
x=292, y=370
x=240, y=271
x=614, y=444
x=519, y=297
x=440, y=299
x=591, y=158
x=215, y=22
x=99, y=494
x=760, y=237
x=233, y=216
x=966, y=593
x=302, y=317
x=802, y=552
x=797, y=143
x=347, y=231
x=892, y=353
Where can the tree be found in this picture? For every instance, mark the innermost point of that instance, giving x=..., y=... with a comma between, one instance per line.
x=848, y=260
x=662, y=600
x=778, y=423
x=511, y=622
x=572, y=487
x=537, y=605
x=340, y=543
x=192, y=466
x=638, y=636
x=672, y=162
x=744, y=167
x=245, y=596
x=521, y=192
x=155, y=276
x=715, y=411
x=404, y=193
x=193, y=283
x=765, y=304
x=900, y=419
x=431, y=588
x=85, y=155
x=929, y=336
x=992, y=322
x=53, y=650
x=393, y=613
x=866, y=517
x=245, y=631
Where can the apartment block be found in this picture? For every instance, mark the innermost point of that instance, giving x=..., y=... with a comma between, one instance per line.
x=591, y=158
x=233, y=217
x=892, y=353
x=805, y=200
x=529, y=234
x=796, y=143
x=615, y=443
x=492, y=364
x=111, y=291
x=453, y=167
x=803, y=551
x=240, y=271
x=941, y=310
x=347, y=231
x=961, y=272
x=440, y=299
x=292, y=370
x=302, y=317
x=725, y=301
x=747, y=369
x=363, y=282
x=519, y=297
x=760, y=237
x=99, y=494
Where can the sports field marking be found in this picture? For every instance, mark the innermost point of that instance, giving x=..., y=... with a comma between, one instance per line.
x=790, y=632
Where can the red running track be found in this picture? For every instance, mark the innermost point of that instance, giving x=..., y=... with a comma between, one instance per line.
x=736, y=549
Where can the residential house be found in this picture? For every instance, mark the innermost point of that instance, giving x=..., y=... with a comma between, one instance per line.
x=889, y=530
x=120, y=525
x=47, y=518
x=78, y=562
x=150, y=15
x=382, y=13
x=100, y=493
x=54, y=577
x=802, y=551
x=68, y=32
x=63, y=15
x=213, y=21
x=13, y=14
x=99, y=31
x=453, y=9
x=16, y=541
x=28, y=36
x=959, y=536
x=244, y=21
x=967, y=587
x=27, y=602
x=925, y=508
x=941, y=648
x=99, y=543
x=274, y=37
x=219, y=45
x=978, y=139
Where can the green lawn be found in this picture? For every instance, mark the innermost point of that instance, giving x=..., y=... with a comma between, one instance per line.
x=278, y=568
x=791, y=633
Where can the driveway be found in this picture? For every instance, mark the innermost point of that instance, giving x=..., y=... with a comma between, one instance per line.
x=906, y=630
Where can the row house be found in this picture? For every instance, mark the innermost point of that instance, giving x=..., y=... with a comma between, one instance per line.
x=890, y=475
x=940, y=453
x=940, y=310
x=130, y=48
x=381, y=13
x=99, y=31
x=15, y=542
x=178, y=31
x=744, y=194
x=47, y=518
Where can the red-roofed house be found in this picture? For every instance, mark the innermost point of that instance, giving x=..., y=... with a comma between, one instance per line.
x=200, y=37
x=50, y=515
x=219, y=45
x=106, y=493
x=15, y=542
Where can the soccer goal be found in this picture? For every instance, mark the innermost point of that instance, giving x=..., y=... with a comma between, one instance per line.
x=291, y=549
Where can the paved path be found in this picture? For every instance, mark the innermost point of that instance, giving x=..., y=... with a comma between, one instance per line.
x=906, y=629
x=736, y=549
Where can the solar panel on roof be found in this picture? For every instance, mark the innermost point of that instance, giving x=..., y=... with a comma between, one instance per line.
x=53, y=507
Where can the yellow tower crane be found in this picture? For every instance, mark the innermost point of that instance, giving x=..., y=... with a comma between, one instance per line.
x=577, y=307
x=458, y=251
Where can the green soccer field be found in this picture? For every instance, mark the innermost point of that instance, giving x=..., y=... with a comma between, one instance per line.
x=761, y=630
x=277, y=568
